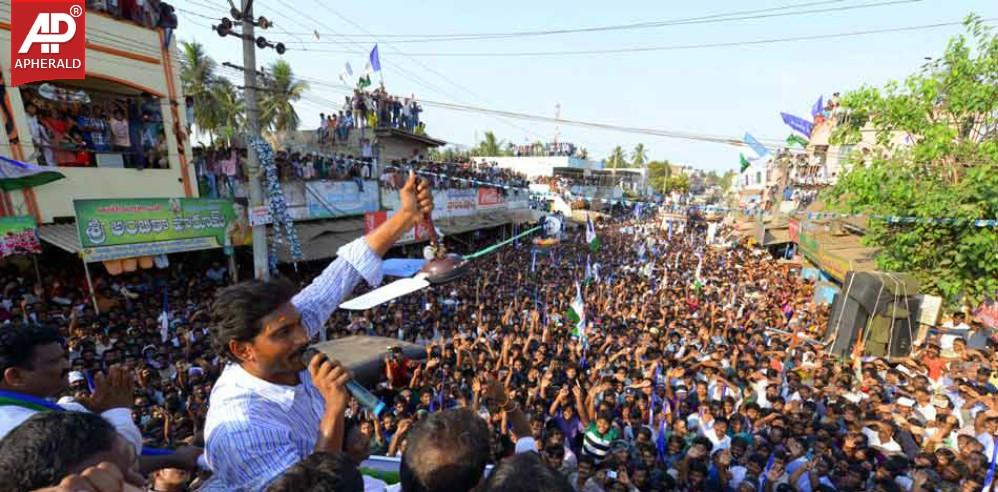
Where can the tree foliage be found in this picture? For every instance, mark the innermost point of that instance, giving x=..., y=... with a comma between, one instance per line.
x=617, y=159
x=639, y=156
x=281, y=90
x=936, y=156
x=492, y=146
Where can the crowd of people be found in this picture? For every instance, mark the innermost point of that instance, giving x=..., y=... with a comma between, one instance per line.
x=81, y=128
x=549, y=149
x=462, y=174
x=219, y=171
x=374, y=109
x=696, y=368
x=148, y=13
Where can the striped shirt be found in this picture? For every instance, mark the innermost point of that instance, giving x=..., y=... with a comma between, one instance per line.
x=597, y=445
x=255, y=429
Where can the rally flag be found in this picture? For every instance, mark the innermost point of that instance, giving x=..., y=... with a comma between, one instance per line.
x=375, y=59
x=349, y=69
x=745, y=162
x=164, y=318
x=759, y=148
x=796, y=140
x=591, y=238
x=799, y=124
x=818, y=107
x=577, y=312
x=364, y=82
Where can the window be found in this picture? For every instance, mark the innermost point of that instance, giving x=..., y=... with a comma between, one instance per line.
x=95, y=124
x=758, y=177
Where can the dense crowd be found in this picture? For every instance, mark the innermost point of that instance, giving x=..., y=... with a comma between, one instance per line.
x=219, y=171
x=374, y=109
x=684, y=375
x=148, y=13
x=73, y=127
x=466, y=174
x=549, y=149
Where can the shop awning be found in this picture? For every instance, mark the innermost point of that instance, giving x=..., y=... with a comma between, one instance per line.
x=776, y=236
x=62, y=236
x=320, y=239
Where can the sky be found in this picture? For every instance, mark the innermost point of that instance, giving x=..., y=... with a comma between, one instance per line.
x=724, y=91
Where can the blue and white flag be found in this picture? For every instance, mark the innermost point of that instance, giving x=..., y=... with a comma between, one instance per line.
x=799, y=124
x=349, y=69
x=759, y=148
x=375, y=59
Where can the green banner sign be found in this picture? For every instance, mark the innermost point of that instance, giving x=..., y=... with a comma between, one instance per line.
x=19, y=236
x=127, y=228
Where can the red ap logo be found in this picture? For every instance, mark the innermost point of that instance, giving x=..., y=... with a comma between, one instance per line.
x=48, y=40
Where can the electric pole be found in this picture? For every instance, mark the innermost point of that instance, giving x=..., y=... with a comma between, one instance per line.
x=261, y=263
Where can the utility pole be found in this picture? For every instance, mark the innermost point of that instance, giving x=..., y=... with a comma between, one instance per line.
x=261, y=263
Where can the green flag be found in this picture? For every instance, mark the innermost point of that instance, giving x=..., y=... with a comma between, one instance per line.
x=798, y=140
x=364, y=81
x=591, y=238
x=745, y=162
x=577, y=312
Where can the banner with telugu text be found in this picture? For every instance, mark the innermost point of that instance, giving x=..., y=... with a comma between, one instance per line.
x=112, y=229
x=20, y=236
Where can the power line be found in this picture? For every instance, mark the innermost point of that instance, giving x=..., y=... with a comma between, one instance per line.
x=644, y=49
x=715, y=17
x=710, y=19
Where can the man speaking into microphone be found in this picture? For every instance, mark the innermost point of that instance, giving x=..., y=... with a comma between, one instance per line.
x=268, y=410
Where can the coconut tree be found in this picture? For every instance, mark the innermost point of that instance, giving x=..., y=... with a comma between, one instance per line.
x=640, y=156
x=229, y=112
x=489, y=146
x=617, y=158
x=281, y=91
x=197, y=75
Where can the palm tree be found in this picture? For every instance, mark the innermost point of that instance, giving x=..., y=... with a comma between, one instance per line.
x=282, y=90
x=197, y=75
x=617, y=158
x=228, y=114
x=489, y=146
x=640, y=156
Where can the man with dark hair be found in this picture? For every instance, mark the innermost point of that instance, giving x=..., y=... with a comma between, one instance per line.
x=320, y=472
x=357, y=447
x=34, y=370
x=446, y=452
x=267, y=412
x=50, y=445
x=525, y=473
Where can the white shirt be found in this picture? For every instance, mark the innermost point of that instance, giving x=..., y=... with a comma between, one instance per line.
x=255, y=429
x=121, y=418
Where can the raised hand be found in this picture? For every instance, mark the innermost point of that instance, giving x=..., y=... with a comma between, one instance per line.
x=113, y=390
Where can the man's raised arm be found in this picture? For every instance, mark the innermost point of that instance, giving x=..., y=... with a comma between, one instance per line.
x=361, y=259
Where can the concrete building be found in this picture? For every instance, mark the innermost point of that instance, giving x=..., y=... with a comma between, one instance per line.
x=130, y=68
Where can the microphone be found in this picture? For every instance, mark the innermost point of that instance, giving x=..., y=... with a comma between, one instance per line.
x=360, y=393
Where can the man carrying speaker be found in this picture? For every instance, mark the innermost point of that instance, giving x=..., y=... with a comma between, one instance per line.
x=268, y=410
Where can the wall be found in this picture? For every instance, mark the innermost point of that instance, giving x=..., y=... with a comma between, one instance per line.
x=124, y=53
